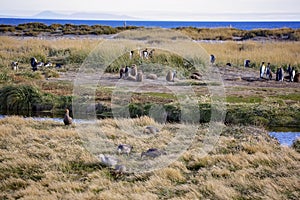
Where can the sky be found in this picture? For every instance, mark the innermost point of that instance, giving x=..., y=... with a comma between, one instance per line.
x=195, y=10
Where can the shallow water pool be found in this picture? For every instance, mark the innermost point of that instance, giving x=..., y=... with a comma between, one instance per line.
x=53, y=119
x=285, y=138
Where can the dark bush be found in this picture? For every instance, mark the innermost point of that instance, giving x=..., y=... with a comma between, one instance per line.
x=19, y=98
x=136, y=110
x=296, y=145
x=31, y=33
x=55, y=26
x=7, y=28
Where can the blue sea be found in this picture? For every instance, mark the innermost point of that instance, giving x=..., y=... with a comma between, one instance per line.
x=249, y=25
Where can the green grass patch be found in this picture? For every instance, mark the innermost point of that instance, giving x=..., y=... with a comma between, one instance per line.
x=160, y=95
x=294, y=97
x=5, y=77
x=30, y=75
x=241, y=99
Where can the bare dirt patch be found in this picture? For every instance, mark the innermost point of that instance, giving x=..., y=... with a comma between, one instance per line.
x=231, y=76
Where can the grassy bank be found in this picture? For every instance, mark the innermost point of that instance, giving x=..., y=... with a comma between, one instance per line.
x=46, y=159
x=277, y=110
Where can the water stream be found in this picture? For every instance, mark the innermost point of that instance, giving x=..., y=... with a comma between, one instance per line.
x=285, y=137
x=55, y=119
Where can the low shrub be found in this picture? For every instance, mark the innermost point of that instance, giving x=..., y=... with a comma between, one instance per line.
x=77, y=56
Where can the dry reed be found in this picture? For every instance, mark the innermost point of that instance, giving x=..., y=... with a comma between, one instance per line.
x=46, y=159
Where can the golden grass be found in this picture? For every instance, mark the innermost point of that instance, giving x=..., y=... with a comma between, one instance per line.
x=21, y=50
x=277, y=53
x=47, y=160
x=211, y=33
x=226, y=33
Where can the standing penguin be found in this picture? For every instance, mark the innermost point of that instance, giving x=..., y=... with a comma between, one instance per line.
x=140, y=77
x=33, y=62
x=277, y=74
x=212, y=59
x=171, y=75
x=122, y=72
x=262, y=70
x=292, y=74
x=281, y=74
x=133, y=71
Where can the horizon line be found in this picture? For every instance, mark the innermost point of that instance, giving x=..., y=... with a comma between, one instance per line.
x=158, y=20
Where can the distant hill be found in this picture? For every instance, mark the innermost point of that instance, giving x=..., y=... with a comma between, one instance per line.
x=49, y=15
x=80, y=15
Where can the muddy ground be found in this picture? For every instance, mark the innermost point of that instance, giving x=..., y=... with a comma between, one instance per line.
x=230, y=78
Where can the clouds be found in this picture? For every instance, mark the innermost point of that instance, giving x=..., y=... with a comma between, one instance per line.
x=189, y=9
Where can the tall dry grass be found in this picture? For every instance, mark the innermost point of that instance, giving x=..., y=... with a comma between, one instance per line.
x=227, y=33
x=47, y=160
x=67, y=52
x=74, y=51
x=51, y=49
x=277, y=53
x=211, y=33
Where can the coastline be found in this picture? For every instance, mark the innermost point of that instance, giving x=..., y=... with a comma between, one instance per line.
x=37, y=29
x=243, y=25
